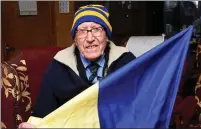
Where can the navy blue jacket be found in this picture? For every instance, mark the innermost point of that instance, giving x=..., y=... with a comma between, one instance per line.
x=65, y=77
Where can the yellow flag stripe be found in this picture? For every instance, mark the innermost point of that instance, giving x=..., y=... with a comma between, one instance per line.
x=79, y=112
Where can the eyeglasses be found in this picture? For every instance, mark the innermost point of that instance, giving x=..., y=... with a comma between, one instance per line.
x=96, y=32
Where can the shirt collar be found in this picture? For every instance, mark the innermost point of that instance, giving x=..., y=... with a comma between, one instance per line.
x=86, y=62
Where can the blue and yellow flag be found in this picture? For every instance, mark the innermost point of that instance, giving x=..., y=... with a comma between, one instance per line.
x=139, y=95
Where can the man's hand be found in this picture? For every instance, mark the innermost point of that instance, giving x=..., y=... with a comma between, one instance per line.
x=26, y=125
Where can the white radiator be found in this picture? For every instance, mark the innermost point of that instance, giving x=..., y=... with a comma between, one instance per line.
x=141, y=44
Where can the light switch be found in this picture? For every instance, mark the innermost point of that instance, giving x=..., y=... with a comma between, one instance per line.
x=64, y=6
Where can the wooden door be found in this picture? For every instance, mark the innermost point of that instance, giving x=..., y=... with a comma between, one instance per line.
x=22, y=32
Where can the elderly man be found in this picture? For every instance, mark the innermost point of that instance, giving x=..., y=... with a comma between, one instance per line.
x=91, y=58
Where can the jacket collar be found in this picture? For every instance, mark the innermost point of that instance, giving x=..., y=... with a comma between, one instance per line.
x=68, y=58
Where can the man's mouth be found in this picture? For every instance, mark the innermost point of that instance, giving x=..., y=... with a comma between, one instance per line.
x=92, y=46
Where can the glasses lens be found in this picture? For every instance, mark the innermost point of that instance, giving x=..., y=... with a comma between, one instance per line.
x=81, y=33
x=95, y=32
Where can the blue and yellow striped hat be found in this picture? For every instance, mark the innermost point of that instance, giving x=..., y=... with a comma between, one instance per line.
x=92, y=13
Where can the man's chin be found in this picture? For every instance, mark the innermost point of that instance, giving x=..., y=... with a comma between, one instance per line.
x=92, y=58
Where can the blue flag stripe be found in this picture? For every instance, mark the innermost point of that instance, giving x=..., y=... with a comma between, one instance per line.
x=143, y=92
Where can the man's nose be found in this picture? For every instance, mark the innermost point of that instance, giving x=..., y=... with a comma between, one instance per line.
x=90, y=37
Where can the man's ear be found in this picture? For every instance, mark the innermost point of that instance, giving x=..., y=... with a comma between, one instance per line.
x=75, y=42
x=107, y=40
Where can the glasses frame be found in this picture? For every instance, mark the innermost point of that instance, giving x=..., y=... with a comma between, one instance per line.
x=91, y=30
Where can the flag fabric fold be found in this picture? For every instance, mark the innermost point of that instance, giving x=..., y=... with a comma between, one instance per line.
x=139, y=95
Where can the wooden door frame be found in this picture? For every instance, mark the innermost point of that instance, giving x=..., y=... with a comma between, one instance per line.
x=53, y=23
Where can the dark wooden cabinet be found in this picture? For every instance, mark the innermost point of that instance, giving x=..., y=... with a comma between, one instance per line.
x=126, y=17
x=132, y=18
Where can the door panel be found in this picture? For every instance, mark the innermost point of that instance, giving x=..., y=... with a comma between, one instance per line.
x=21, y=32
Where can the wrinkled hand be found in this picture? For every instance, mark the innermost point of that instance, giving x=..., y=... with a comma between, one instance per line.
x=26, y=125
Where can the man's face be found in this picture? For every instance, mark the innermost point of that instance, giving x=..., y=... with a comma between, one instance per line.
x=91, y=40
